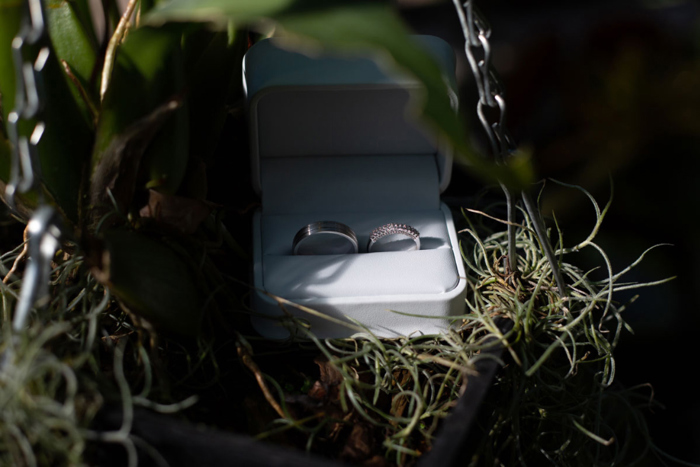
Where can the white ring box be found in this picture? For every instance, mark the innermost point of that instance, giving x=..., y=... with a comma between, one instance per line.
x=332, y=140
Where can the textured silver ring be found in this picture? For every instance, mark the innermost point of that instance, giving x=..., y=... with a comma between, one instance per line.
x=325, y=238
x=377, y=242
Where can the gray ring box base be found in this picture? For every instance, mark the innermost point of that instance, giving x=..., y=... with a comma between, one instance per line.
x=332, y=139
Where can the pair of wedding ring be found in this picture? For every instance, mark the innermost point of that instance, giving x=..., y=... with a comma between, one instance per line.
x=334, y=238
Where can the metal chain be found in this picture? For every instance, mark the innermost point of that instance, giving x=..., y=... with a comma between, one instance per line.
x=29, y=64
x=44, y=232
x=491, y=97
x=45, y=227
x=491, y=110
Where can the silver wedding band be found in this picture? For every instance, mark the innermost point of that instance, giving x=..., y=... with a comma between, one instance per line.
x=402, y=232
x=325, y=238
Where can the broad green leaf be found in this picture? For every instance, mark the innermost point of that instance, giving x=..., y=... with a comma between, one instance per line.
x=70, y=37
x=76, y=45
x=375, y=27
x=84, y=15
x=10, y=16
x=152, y=280
x=218, y=11
x=65, y=147
x=348, y=27
x=148, y=73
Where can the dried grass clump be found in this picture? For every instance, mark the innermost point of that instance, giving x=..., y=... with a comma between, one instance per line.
x=381, y=400
x=553, y=401
x=79, y=352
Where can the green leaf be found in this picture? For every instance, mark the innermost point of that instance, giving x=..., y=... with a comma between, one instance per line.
x=65, y=147
x=10, y=16
x=217, y=11
x=152, y=280
x=71, y=40
x=148, y=72
x=72, y=37
x=82, y=11
x=76, y=45
x=373, y=27
x=349, y=27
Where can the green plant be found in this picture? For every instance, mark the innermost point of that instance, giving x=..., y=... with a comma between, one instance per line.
x=137, y=289
x=131, y=124
x=554, y=402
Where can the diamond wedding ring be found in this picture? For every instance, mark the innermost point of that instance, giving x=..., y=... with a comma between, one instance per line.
x=325, y=238
x=394, y=237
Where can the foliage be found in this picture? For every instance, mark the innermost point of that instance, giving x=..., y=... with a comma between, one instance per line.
x=52, y=381
x=140, y=300
x=554, y=402
x=563, y=407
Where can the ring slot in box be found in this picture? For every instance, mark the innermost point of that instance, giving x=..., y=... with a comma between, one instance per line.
x=331, y=140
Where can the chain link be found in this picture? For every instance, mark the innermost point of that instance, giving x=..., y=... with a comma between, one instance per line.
x=491, y=107
x=491, y=110
x=44, y=235
x=30, y=57
x=30, y=54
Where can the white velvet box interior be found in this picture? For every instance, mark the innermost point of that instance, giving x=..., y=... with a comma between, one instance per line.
x=428, y=271
x=371, y=191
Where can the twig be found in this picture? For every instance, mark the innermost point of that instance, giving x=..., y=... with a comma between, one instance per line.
x=116, y=38
x=512, y=252
x=252, y=366
x=537, y=222
x=21, y=256
x=494, y=218
x=81, y=90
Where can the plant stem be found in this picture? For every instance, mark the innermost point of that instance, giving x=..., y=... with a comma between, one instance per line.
x=512, y=253
x=114, y=41
x=541, y=231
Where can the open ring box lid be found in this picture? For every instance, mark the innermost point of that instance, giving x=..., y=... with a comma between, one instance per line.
x=332, y=139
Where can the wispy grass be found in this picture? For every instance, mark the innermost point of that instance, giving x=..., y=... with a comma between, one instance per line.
x=56, y=375
x=554, y=401
x=44, y=404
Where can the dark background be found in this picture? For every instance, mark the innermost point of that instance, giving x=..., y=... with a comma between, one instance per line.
x=601, y=89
